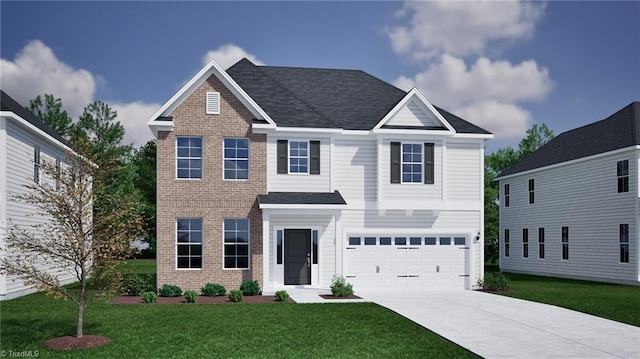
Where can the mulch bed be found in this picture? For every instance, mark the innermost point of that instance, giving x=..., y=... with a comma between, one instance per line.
x=73, y=343
x=129, y=299
x=330, y=296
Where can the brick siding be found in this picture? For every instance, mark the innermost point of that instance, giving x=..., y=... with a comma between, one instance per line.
x=211, y=197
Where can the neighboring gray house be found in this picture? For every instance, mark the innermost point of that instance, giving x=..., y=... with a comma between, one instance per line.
x=570, y=209
x=24, y=141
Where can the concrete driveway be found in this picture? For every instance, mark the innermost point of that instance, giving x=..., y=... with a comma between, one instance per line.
x=494, y=326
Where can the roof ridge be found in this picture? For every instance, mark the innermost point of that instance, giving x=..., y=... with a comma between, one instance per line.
x=313, y=108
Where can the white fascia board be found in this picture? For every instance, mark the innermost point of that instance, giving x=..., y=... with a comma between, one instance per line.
x=411, y=94
x=413, y=132
x=156, y=126
x=304, y=206
x=566, y=163
x=484, y=136
x=36, y=130
x=308, y=129
x=357, y=132
x=211, y=68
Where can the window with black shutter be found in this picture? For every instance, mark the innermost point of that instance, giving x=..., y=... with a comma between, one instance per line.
x=314, y=152
x=429, y=175
x=395, y=162
x=283, y=158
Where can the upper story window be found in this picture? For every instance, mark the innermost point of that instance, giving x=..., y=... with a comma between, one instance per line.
x=301, y=157
x=213, y=103
x=506, y=195
x=532, y=188
x=623, y=176
x=624, y=243
x=189, y=243
x=298, y=157
x=189, y=157
x=236, y=158
x=36, y=164
x=412, y=163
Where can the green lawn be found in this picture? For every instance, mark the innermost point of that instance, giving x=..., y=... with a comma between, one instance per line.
x=351, y=330
x=611, y=301
x=139, y=266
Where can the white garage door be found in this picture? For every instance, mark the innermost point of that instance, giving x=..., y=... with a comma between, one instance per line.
x=406, y=261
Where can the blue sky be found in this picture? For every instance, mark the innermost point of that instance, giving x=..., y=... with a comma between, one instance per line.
x=501, y=65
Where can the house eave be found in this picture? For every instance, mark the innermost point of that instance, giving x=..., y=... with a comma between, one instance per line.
x=31, y=127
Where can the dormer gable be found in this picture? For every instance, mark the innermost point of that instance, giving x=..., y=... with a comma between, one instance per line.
x=414, y=112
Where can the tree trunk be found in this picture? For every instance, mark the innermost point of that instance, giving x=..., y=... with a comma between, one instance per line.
x=79, y=319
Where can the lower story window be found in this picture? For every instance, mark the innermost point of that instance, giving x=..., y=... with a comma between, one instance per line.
x=506, y=242
x=236, y=243
x=565, y=243
x=624, y=243
x=189, y=243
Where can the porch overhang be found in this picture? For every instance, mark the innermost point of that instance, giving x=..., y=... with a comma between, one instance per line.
x=302, y=200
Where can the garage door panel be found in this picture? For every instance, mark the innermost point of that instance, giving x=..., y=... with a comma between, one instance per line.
x=436, y=262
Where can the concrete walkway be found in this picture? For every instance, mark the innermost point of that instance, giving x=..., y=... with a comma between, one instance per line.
x=494, y=326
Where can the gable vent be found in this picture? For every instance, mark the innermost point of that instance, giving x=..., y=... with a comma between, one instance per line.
x=213, y=103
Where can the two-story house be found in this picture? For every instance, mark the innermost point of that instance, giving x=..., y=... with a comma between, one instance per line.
x=291, y=175
x=570, y=209
x=24, y=142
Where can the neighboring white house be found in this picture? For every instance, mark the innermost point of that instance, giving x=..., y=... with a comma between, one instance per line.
x=24, y=141
x=352, y=176
x=570, y=209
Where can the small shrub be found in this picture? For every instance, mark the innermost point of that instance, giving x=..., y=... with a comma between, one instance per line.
x=149, y=297
x=495, y=281
x=137, y=283
x=235, y=296
x=190, y=296
x=340, y=287
x=282, y=296
x=170, y=290
x=213, y=290
x=250, y=287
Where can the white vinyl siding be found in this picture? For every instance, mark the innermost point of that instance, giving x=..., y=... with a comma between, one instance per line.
x=463, y=172
x=414, y=115
x=294, y=182
x=18, y=170
x=355, y=171
x=582, y=196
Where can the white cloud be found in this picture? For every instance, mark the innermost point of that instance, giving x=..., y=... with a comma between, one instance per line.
x=461, y=28
x=133, y=117
x=36, y=71
x=229, y=54
x=504, y=120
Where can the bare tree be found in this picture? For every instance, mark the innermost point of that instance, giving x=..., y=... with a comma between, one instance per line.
x=74, y=237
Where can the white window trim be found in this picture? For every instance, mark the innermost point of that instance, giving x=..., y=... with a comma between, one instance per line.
x=618, y=177
x=175, y=231
x=177, y=158
x=235, y=159
x=289, y=157
x=248, y=245
x=402, y=163
x=215, y=111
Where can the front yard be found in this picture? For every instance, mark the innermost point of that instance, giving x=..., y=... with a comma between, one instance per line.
x=611, y=301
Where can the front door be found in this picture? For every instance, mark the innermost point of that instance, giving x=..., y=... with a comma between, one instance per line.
x=297, y=256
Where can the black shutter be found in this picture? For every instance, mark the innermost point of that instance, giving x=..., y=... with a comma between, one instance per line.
x=283, y=156
x=428, y=164
x=395, y=162
x=314, y=156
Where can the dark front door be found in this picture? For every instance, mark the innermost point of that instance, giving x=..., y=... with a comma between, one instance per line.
x=297, y=256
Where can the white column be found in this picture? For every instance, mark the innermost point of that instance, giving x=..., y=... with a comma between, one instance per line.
x=267, y=283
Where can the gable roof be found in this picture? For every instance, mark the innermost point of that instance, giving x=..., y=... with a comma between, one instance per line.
x=620, y=130
x=7, y=103
x=325, y=98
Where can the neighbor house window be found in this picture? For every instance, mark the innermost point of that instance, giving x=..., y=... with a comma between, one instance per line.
x=411, y=164
x=36, y=164
x=565, y=243
x=541, y=243
x=189, y=157
x=189, y=243
x=506, y=195
x=298, y=157
x=236, y=243
x=506, y=242
x=624, y=243
x=236, y=158
x=525, y=243
x=623, y=176
x=531, y=191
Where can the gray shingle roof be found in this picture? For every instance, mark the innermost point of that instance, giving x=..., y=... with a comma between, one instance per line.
x=302, y=198
x=620, y=130
x=7, y=103
x=324, y=98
